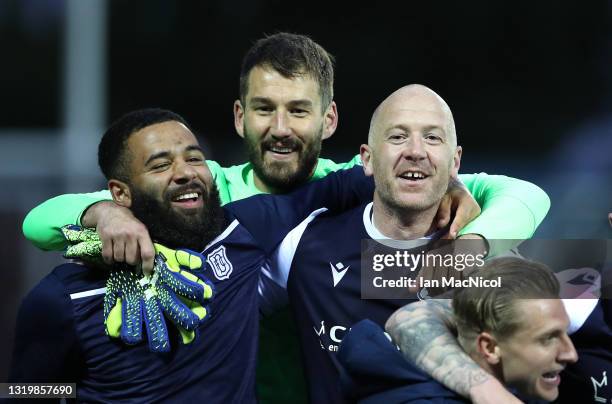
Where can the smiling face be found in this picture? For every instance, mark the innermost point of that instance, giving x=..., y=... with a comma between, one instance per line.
x=534, y=355
x=170, y=187
x=283, y=123
x=412, y=150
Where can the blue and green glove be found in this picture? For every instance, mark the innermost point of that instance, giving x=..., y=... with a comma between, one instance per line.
x=131, y=299
x=182, y=289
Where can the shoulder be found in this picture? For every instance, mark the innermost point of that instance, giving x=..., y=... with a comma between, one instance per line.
x=352, y=217
x=65, y=279
x=326, y=166
x=237, y=181
x=579, y=311
x=49, y=302
x=233, y=172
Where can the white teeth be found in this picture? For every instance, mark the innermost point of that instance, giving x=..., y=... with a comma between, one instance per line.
x=192, y=195
x=281, y=149
x=412, y=174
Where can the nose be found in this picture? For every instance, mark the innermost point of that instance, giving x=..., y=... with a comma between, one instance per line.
x=414, y=149
x=183, y=172
x=280, y=125
x=567, y=352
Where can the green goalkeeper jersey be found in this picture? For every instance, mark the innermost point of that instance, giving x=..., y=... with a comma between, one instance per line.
x=511, y=209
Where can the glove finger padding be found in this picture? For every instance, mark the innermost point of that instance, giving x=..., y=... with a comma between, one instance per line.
x=157, y=331
x=181, y=258
x=76, y=234
x=184, y=283
x=123, y=306
x=84, y=243
x=113, y=308
x=203, y=312
x=186, y=314
x=86, y=250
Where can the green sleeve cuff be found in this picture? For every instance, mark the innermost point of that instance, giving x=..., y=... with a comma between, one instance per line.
x=42, y=224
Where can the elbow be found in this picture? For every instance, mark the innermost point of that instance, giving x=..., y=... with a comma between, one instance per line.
x=28, y=229
x=401, y=315
x=542, y=204
x=33, y=232
x=390, y=324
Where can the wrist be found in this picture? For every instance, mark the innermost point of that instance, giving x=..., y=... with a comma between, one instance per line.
x=488, y=388
x=456, y=183
x=91, y=214
x=478, y=243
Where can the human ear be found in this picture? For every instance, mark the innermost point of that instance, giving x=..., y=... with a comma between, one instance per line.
x=239, y=118
x=120, y=192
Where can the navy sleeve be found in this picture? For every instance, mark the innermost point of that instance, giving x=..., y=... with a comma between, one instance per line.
x=45, y=339
x=373, y=371
x=270, y=217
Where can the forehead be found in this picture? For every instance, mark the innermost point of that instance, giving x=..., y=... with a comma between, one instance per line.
x=413, y=112
x=268, y=83
x=539, y=316
x=165, y=136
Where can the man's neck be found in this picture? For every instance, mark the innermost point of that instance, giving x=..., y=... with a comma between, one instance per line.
x=402, y=225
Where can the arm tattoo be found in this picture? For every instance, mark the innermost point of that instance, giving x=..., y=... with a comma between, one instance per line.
x=424, y=333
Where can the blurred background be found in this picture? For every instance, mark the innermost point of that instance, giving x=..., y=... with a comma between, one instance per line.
x=529, y=83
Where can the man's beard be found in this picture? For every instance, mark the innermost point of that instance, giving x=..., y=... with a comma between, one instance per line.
x=174, y=229
x=278, y=174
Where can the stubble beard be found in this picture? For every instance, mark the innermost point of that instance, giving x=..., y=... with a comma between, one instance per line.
x=280, y=175
x=392, y=200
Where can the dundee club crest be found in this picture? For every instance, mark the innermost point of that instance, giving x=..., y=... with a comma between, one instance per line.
x=220, y=264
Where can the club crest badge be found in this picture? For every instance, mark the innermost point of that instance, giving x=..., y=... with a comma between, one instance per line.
x=219, y=263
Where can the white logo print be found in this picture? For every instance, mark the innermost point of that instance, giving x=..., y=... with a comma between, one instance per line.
x=329, y=342
x=596, y=385
x=320, y=332
x=338, y=272
x=220, y=264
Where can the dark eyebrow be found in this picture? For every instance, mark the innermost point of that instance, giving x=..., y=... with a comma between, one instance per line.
x=162, y=154
x=260, y=100
x=166, y=154
x=301, y=103
x=194, y=147
x=294, y=103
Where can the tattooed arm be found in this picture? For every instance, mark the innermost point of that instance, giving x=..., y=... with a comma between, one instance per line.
x=424, y=332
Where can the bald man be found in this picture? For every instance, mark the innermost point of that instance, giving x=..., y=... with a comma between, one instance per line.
x=412, y=154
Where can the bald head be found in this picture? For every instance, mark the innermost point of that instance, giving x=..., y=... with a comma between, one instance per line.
x=423, y=104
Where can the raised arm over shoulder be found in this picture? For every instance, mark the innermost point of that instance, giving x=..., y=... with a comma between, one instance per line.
x=424, y=333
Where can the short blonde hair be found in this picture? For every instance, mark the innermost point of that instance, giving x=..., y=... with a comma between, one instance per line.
x=493, y=309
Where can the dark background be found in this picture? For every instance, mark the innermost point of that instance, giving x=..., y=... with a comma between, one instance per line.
x=529, y=84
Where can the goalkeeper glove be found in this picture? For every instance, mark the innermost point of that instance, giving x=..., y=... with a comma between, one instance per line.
x=128, y=295
x=183, y=294
x=125, y=301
